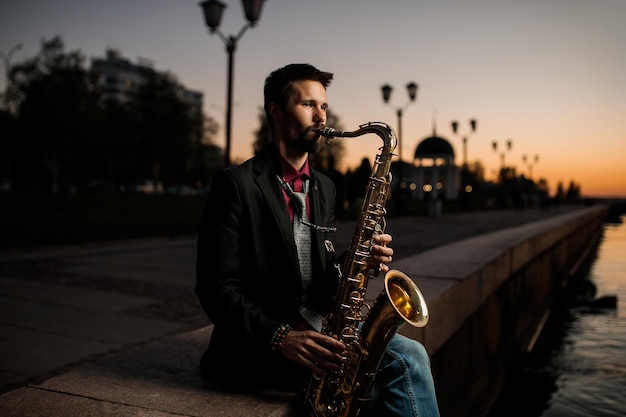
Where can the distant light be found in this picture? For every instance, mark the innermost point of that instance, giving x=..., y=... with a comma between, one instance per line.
x=411, y=88
x=427, y=188
x=213, y=10
x=468, y=188
x=473, y=125
x=386, y=90
x=439, y=186
x=412, y=186
x=252, y=10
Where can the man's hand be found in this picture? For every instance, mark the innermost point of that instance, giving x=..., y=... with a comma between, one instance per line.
x=381, y=254
x=317, y=352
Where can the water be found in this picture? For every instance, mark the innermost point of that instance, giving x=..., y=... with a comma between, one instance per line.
x=578, y=367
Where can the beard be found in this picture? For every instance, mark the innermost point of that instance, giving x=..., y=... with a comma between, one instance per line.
x=309, y=141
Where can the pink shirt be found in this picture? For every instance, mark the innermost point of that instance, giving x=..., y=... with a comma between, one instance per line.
x=293, y=177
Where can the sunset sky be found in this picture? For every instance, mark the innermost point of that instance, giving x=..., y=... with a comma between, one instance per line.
x=547, y=74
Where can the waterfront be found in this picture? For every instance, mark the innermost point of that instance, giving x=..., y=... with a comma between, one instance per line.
x=578, y=367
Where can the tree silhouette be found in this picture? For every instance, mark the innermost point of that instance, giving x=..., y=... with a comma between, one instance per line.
x=66, y=135
x=56, y=99
x=165, y=129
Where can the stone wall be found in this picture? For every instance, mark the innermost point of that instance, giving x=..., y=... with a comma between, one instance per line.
x=488, y=298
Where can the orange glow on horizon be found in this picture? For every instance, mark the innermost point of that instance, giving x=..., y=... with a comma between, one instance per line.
x=595, y=180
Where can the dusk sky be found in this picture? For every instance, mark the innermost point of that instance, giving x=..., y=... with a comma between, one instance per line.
x=547, y=74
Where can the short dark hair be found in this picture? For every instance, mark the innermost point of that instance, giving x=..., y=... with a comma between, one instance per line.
x=278, y=85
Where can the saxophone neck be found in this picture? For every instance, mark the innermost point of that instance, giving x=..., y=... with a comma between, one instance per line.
x=383, y=130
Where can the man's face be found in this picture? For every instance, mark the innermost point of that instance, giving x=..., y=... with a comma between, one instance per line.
x=304, y=112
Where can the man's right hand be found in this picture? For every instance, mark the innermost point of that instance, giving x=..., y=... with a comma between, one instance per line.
x=317, y=352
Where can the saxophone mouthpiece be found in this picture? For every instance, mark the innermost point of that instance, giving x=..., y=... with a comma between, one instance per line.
x=329, y=132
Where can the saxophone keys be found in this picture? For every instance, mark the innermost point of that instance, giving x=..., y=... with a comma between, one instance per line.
x=349, y=333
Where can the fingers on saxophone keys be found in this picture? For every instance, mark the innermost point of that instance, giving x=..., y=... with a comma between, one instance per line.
x=382, y=239
x=321, y=366
x=316, y=369
x=383, y=252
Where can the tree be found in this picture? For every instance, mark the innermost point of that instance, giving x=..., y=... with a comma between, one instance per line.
x=208, y=157
x=117, y=143
x=67, y=135
x=263, y=135
x=560, y=193
x=56, y=99
x=573, y=192
x=166, y=129
x=472, y=178
x=154, y=135
x=8, y=127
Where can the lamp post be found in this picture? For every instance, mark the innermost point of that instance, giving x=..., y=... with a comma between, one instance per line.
x=509, y=146
x=6, y=59
x=212, y=16
x=466, y=180
x=412, y=91
x=530, y=166
x=455, y=126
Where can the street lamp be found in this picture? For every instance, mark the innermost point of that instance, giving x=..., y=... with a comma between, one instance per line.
x=6, y=59
x=212, y=16
x=530, y=166
x=412, y=91
x=509, y=146
x=455, y=127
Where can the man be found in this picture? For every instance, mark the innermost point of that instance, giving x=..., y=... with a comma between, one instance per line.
x=264, y=292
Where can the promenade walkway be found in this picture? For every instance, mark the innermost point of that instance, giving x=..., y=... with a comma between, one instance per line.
x=75, y=314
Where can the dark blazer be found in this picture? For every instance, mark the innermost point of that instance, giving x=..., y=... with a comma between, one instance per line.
x=247, y=275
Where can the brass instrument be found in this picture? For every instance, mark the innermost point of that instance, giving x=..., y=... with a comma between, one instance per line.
x=342, y=393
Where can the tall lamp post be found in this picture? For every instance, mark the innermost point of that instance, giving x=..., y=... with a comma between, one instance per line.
x=6, y=59
x=509, y=146
x=530, y=165
x=412, y=90
x=466, y=180
x=212, y=16
x=455, y=126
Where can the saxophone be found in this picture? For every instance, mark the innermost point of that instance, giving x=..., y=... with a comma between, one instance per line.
x=342, y=393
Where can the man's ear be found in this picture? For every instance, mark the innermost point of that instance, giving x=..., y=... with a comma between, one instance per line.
x=275, y=112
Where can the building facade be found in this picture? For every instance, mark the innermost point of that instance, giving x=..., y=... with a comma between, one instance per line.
x=119, y=79
x=434, y=172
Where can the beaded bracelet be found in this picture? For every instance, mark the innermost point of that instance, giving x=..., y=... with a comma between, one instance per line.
x=279, y=336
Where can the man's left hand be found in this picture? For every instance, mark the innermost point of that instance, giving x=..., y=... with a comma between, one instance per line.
x=381, y=254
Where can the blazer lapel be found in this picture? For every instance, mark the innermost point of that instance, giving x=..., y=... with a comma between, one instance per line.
x=268, y=184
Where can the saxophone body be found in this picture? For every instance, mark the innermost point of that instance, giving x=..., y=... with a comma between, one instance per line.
x=342, y=393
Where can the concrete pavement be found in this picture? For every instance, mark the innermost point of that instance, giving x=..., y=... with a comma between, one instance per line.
x=68, y=306
x=61, y=306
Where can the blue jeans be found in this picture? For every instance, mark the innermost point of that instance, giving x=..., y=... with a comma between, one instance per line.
x=403, y=385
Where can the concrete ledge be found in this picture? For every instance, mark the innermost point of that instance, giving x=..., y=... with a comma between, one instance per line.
x=456, y=279
x=488, y=297
x=161, y=378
